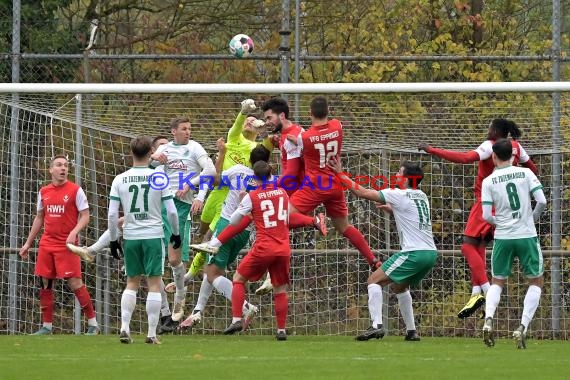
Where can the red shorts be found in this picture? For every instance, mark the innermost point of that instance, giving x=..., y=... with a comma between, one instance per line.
x=57, y=262
x=306, y=200
x=477, y=227
x=254, y=265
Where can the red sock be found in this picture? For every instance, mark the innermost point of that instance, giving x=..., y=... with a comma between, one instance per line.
x=298, y=220
x=46, y=305
x=476, y=264
x=238, y=298
x=85, y=301
x=230, y=231
x=281, y=309
x=357, y=239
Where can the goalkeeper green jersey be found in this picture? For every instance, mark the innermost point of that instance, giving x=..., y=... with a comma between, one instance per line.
x=238, y=148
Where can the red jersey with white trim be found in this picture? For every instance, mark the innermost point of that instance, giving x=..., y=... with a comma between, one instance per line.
x=486, y=165
x=270, y=211
x=61, y=206
x=290, y=150
x=320, y=143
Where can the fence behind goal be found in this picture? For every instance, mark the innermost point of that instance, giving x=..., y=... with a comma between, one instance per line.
x=328, y=292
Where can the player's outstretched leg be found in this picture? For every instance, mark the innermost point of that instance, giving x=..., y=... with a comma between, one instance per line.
x=84, y=252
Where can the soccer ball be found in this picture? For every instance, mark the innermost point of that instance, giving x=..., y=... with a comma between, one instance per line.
x=241, y=45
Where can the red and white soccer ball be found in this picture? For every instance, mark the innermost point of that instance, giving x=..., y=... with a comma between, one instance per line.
x=241, y=45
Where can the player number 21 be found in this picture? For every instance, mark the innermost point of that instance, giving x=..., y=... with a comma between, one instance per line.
x=326, y=152
x=269, y=211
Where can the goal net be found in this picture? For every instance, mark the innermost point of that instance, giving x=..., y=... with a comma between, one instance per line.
x=328, y=293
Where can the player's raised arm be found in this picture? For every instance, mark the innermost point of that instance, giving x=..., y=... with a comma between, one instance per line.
x=359, y=191
x=221, y=145
x=449, y=155
x=158, y=158
x=235, y=132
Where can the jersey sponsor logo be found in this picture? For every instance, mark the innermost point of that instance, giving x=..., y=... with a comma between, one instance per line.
x=56, y=209
x=235, y=157
x=177, y=164
x=65, y=198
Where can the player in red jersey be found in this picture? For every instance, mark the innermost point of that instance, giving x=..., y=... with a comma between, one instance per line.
x=319, y=144
x=478, y=233
x=63, y=211
x=269, y=206
x=276, y=117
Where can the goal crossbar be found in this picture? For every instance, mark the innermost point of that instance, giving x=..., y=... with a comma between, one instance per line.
x=307, y=88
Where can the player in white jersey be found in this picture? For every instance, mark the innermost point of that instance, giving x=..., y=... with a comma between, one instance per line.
x=186, y=163
x=418, y=254
x=89, y=254
x=238, y=178
x=142, y=235
x=508, y=190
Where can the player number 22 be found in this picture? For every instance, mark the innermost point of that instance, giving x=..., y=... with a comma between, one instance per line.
x=326, y=152
x=269, y=211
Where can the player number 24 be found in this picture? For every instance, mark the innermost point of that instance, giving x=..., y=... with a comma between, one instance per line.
x=269, y=211
x=326, y=152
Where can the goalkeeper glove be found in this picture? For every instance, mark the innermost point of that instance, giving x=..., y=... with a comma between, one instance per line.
x=175, y=240
x=116, y=249
x=258, y=124
x=247, y=106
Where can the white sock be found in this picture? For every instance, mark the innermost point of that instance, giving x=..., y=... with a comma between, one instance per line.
x=475, y=290
x=531, y=301
x=92, y=322
x=48, y=325
x=205, y=292
x=164, y=306
x=224, y=286
x=128, y=302
x=215, y=242
x=153, y=301
x=375, y=304
x=102, y=243
x=235, y=319
x=178, y=275
x=405, y=303
x=485, y=287
x=492, y=300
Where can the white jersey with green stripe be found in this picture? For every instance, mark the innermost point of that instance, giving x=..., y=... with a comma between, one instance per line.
x=183, y=164
x=508, y=189
x=141, y=203
x=412, y=214
x=238, y=178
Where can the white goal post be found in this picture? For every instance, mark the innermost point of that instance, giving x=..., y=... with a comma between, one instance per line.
x=383, y=122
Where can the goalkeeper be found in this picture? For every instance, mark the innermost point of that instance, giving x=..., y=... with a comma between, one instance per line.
x=240, y=142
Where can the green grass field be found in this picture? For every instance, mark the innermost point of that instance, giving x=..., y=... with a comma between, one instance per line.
x=261, y=357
